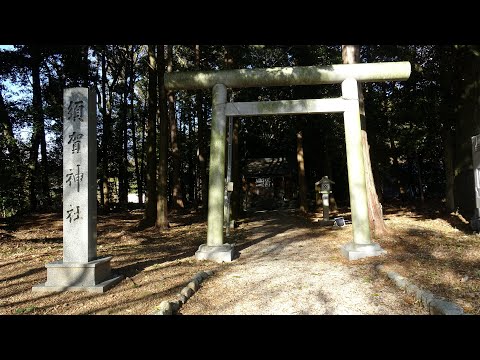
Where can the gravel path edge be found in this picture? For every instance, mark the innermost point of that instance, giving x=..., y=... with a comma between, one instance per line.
x=434, y=304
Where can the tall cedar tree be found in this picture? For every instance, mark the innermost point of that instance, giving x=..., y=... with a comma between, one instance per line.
x=162, y=199
x=150, y=215
x=176, y=180
x=202, y=137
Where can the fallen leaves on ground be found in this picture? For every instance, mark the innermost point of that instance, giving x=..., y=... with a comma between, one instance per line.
x=435, y=250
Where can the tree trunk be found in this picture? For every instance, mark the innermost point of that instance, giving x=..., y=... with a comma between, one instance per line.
x=449, y=170
x=150, y=206
x=17, y=178
x=7, y=131
x=106, y=137
x=85, y=62
x=229, y=61
x=202, y=139
x=377, y=179
x=133, y=130
x=123, y=169
x=236, y=176
x=399, y=185
x=301, y=174
x=142, y=154
x=191, y=163
x=45, y=182
x=162, y=211
x=123, y=110
x=135, y=156
x=33, y=169
x=448, y=76
x=419, y=177
x=99, y=108
x=351, y=55
x=177, y=189
x=39, y=127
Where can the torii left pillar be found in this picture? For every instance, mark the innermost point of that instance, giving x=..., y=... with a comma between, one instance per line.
x=80, y=269
x=215, y=249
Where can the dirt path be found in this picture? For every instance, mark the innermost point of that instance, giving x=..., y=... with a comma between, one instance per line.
x=288, y=265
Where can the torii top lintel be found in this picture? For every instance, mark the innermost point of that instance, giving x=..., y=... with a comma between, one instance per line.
x=286, y=76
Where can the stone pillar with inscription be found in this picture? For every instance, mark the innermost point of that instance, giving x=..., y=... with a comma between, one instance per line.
x=80, y=269
x=475, y=222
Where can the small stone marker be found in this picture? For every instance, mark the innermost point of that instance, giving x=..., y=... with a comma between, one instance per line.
x=80, y=268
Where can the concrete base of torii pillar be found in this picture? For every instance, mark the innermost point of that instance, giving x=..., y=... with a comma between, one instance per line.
x=354, y=251
x=222, y=253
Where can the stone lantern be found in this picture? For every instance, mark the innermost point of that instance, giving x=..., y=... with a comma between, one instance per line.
x=324, y=187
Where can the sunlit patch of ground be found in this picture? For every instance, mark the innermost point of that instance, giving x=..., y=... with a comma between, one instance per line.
x=436, y=250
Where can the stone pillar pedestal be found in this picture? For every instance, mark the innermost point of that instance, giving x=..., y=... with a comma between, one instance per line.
x=93, y=276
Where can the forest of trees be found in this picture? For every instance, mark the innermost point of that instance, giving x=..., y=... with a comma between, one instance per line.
x=156, y=143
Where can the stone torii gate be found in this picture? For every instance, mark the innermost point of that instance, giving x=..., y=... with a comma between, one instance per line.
x=347, y=74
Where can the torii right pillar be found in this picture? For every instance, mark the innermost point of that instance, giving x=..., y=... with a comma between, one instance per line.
x=362, y=245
